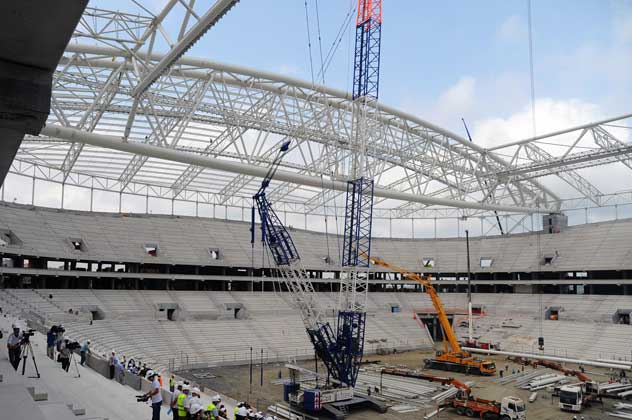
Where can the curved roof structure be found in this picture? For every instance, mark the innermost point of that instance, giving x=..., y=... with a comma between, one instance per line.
x=130, y=120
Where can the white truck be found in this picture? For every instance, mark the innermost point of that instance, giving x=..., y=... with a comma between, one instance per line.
x=571, y=398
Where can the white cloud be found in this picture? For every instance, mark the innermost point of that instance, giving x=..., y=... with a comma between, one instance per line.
x=458, y=97
x=551, y=115
x=513, y=29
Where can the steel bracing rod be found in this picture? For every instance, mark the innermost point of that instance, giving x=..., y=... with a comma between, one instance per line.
x=575, y=180
x=210, y=18
x=42, y=171
x=219, y=144
x=327, y=97
x=162, y=128
x=607, y=141
x=115, y=143
x=98, y=108
x=560, y=132
x=611, y=152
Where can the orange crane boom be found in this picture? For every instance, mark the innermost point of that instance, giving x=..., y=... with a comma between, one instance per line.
x=454, y=358
x=426, y=282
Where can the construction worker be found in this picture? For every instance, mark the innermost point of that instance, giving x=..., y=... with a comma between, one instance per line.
x=197, y=412
x=182, y=403
x=194, y=397
x=213, y=408
x=222, y=412
x=242, y=412
x=172, y=383
x=85, y=350
x=236, y=409
x=154, y=393
x=174, y=400
x=14, y=341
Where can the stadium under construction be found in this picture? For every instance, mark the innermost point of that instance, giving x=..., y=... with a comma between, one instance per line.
x=287, y=249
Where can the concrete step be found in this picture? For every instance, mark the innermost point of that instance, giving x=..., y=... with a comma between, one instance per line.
x=37, y=396
x=76, y=410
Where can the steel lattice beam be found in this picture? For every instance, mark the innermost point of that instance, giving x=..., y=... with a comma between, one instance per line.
x=214, y=14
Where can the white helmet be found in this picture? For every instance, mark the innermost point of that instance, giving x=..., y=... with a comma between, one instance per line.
x=195, y=390
x=196, y=408
x=150, y=373
x=216, y=397
x=186, y=387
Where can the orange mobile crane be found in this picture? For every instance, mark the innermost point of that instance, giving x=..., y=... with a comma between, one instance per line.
x=453, y=358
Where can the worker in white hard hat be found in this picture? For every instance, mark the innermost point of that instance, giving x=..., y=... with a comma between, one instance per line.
x=154, y=393
x=242, y=413
x=212, y=410
x=14, y=343
x=196, y=411
x=85, y=349
x=182, y=402
x=194, y=397
x=174, y=400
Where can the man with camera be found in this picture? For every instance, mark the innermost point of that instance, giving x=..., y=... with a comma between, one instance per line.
x=64, y=355
x=51, y=338
x=155, y=395
x=14, y=343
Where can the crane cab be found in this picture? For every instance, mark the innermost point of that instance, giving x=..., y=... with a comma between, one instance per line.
x=488, y=368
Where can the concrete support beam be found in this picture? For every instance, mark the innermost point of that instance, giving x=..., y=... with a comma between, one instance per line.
x=33, y=37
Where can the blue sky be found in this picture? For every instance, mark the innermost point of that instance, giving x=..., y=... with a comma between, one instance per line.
x=476, y=53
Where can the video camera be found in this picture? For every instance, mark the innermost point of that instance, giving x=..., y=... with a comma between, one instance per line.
x=142, y=398
x=26, y=335
x=73, y=345
x=57, y=329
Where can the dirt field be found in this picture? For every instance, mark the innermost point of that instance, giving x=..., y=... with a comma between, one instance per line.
x=234, y=381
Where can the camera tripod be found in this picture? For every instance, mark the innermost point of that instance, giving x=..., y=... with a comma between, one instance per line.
x=26, y=349
x=74, y=359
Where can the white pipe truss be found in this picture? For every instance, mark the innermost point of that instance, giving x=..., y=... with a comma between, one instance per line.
x=173, y=135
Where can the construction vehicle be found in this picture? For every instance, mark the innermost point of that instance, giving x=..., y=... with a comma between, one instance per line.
x=509, y=408
x=453, y=358
x=573, y=397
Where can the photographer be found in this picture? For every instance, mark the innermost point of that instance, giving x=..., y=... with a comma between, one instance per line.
x=64, y=355
x=13, y=344
x=154, y=393
x=51, y=338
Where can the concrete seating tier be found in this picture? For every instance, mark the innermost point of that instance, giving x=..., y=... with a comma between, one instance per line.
x=187, y=240
x=165, y=343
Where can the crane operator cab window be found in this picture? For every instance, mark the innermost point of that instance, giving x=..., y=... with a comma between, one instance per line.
x=488, y=368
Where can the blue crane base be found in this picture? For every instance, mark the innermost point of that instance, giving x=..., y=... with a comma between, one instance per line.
x=341, y=352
